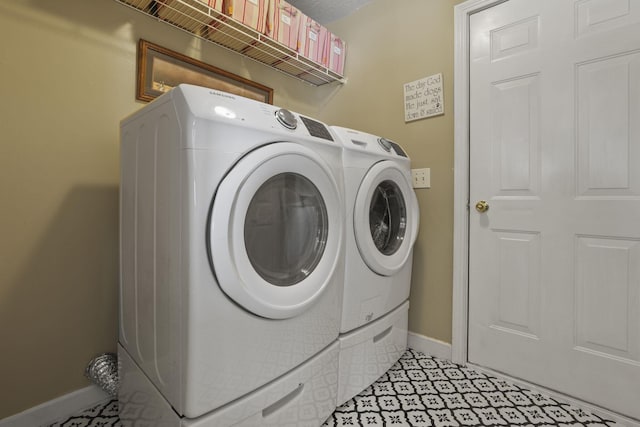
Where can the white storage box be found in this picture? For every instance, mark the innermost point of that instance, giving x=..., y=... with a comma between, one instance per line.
x=368, y=352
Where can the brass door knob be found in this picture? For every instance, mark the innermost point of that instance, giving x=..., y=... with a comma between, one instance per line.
x=482, y=206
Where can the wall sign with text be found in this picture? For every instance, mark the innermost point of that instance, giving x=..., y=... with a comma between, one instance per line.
x=423, y=98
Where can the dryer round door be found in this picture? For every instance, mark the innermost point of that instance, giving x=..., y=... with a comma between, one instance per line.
x=275, y=230
x=385, y=219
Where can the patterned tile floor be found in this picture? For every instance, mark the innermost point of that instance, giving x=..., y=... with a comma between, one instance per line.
x=419, y=391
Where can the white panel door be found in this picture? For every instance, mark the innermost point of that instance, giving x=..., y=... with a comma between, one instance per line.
x=554, y=263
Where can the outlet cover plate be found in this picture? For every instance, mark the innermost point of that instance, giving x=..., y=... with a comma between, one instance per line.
x=421, y=178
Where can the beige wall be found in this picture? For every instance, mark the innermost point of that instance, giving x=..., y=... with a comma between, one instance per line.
x=67, y=72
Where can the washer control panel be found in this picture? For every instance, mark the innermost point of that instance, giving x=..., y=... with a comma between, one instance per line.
x=316, y=129
x=289, y=120
x=385, y=144
x=286, y=118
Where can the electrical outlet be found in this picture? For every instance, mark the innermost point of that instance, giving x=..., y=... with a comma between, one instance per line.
x=421, y=178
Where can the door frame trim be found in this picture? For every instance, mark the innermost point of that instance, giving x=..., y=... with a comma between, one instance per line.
x=459, y=330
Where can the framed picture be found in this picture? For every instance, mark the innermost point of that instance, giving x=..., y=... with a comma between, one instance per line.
x=160, y=69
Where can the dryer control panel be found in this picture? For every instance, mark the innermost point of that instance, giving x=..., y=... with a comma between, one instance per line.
x=287, y=119
x=316, y=129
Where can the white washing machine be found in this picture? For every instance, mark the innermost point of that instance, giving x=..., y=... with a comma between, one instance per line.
x=232, y=263
x=381, y=228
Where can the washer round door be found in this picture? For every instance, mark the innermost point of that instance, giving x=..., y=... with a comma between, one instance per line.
x=385, y=219
x=275, y=230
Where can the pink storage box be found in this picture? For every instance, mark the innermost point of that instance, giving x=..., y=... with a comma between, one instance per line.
x=313, y=40
x=214, y=4
x=337, y=53
x=283, y=23
x=252, y=13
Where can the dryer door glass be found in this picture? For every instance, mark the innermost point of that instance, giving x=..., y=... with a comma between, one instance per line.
x=387, y=217
x=276, y=231
x=285, y=230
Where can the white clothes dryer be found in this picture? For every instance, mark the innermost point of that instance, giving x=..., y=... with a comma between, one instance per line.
x=381, y=227
x=232, y=260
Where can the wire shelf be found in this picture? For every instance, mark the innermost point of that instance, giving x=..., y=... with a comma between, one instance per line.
x=206, y=23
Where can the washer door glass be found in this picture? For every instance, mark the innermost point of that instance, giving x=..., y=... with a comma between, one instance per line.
x=385, y=218
x=285, y=230
x=276, y=230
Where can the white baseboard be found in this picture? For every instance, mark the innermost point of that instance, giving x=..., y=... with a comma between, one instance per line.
x=430, y=346
x=56, y=409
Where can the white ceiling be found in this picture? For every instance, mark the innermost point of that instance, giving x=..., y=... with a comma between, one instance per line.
x=326, y=11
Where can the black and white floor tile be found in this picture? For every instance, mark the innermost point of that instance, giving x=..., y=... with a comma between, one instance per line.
x=102, y=415
x=420, y=390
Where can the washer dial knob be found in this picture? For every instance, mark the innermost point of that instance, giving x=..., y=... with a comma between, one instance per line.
x=385, y=144
x=286, y=118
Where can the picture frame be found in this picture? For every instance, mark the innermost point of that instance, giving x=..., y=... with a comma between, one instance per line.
x=160, y=69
